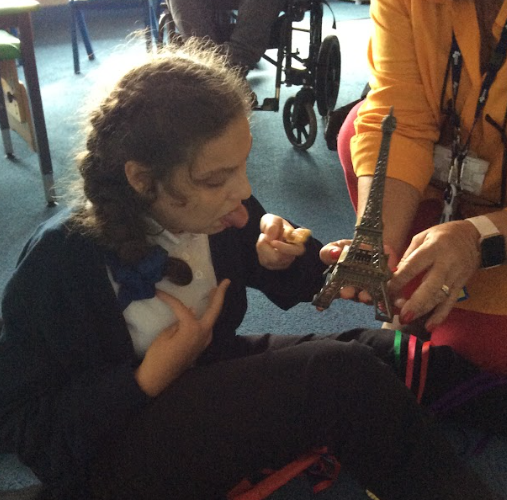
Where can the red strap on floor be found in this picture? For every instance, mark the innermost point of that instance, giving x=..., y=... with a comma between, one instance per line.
x=275, y=480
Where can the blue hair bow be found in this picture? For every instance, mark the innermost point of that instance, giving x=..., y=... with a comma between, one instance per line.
x=137, y=282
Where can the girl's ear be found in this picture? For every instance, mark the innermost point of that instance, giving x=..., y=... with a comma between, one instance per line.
x=138, y=176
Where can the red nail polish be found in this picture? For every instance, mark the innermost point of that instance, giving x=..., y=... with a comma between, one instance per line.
x=335, y=253
x=407, y=318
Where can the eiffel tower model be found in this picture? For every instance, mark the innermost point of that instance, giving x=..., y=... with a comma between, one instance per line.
x=363, y=265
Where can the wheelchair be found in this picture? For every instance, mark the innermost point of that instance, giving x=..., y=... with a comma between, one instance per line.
x=318, y=74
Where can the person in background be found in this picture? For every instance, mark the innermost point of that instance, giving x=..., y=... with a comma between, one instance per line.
x=441, y=65
x=251, y=33
x=122, y=376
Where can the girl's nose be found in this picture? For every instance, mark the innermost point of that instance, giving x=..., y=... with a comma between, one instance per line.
x=242, y=188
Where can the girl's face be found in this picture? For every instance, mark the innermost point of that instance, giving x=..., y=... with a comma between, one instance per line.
x=213, y=187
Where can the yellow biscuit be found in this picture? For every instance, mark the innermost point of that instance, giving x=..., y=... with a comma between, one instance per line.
x=298, y=235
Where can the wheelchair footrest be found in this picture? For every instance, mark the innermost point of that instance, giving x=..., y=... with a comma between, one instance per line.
x=269, y=104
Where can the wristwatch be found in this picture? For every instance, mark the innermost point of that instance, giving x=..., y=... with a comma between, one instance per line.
x=492, y=242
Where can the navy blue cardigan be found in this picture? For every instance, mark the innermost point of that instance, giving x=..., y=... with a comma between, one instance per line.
x=66, y=357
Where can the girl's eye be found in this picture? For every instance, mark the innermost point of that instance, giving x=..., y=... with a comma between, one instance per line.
x=214, y=183
x=219, y=178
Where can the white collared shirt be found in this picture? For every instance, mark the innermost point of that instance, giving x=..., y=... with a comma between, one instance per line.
x=147, y=318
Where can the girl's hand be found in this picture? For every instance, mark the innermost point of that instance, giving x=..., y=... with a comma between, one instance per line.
x=447, y=255
x=177, y=347
x=273, y=250
x=331, y=253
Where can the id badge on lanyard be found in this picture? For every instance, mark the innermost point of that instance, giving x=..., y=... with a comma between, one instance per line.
x=460, y=151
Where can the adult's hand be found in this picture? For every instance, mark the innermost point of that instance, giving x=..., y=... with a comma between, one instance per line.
x=446, y=255
x=177, y=347
x=274, y=252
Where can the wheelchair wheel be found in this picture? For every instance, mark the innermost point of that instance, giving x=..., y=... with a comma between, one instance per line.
x=327, y=75
x=300, y=123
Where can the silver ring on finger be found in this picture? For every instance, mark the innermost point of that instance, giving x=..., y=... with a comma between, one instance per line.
x=446, y=290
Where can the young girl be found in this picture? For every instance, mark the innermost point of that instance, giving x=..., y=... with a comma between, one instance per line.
x=121, y=374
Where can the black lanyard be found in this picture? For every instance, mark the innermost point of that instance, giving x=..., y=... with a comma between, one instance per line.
x=459, y=150
x=456, y=63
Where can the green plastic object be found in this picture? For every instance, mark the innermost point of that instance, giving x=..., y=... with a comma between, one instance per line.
x=9, y=46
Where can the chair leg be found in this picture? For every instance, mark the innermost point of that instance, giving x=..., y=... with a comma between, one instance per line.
x=151, y=22
x=78, y=23
x=83, y=29
x=73, y=35
x=4, y=125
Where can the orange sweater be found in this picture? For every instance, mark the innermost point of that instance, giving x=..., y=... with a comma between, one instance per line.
x=408, y=55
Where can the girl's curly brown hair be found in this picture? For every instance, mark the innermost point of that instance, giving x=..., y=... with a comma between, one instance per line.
x=159, y=114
